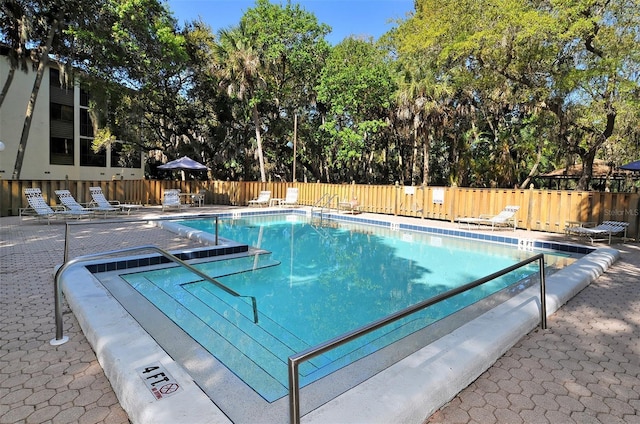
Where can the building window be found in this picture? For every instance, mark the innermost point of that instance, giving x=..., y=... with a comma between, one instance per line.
x=61, y=151
x=54, y=77
x=86, y=125
x=84, y=97
x=88, y=157
x=62, y=113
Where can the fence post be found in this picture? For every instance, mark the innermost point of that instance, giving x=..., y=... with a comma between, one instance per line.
x=395, y=198
x=529, y=196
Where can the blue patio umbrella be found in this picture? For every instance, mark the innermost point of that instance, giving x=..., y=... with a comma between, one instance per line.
x=631, y=166
x=185, y=163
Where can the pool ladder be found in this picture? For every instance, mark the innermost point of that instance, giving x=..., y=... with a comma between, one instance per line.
x=325, y=202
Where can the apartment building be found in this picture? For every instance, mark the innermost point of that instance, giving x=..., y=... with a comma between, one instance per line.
x=61, y=134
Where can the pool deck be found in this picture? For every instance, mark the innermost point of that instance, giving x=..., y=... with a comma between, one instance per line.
x=584, y=368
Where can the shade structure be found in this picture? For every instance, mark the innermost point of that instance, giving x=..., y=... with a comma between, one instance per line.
x=631, y=166
x=185, y=163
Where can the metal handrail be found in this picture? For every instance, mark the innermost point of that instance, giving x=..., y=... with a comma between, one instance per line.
x=295, y=360
x=57, y=290
x=319, y=200
x=60, y=338
x=327, y=203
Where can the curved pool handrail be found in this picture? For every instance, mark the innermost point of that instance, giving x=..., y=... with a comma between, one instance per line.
x=310, y=353
x=325, y=201
x=57, y=291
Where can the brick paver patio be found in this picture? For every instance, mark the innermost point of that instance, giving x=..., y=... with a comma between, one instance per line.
x=584, y=368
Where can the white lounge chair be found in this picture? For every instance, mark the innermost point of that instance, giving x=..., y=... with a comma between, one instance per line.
x=506, y=218
x=109, y=205
x=600, y=232
x=70, y=203
x=171, y=200
x=262, y=200
x=38, y=207
x=291, y=199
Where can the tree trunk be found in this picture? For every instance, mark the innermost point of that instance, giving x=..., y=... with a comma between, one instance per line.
x=414, y=158
x=426, y=149
x=589, y=157
x=7, y=84
x=256, y=122
x=587, y=170
x=42, y=66
x=534, y=168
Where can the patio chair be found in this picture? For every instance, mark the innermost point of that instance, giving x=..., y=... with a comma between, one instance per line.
x=101, y=201
x=39, y=208
x=506, y=218
x=291, y=199
x=352, y=206
x=70, y=203
x=171, y=200
x=601, y=232
x=198, y=198
x=262, y=200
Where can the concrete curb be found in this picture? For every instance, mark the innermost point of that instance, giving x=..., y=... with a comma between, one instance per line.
x=122, y=347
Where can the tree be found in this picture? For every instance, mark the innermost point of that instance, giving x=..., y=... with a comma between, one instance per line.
x=574, y=60
x=356, y=88
x=421, y=101
x=15, y=24
x=271, y=60
x=46, y=20
x=239, y=68
x=137, y=60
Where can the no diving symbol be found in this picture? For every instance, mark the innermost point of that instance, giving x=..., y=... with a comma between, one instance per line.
x=167, y=389
x=160, y=383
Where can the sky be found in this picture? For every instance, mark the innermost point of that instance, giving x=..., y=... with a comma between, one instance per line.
x=345, y=17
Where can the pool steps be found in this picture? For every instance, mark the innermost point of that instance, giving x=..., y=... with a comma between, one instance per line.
x=260, y=352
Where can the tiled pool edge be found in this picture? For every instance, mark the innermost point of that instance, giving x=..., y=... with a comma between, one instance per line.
x=486, y=235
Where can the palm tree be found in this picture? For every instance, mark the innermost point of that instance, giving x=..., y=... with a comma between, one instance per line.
x=239, y=67
x=421, y=102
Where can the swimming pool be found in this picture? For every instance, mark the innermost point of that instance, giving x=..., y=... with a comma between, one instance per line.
x=321, y=279
x=402, y=390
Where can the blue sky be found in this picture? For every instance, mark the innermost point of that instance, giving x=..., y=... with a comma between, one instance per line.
x=345, y=17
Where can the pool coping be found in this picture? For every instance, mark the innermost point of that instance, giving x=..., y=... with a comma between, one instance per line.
x=403, y=392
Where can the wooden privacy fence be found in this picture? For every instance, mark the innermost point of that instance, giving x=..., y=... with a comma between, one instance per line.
x=543, y=210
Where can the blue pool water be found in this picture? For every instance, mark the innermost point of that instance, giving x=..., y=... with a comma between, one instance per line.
x=319, y=281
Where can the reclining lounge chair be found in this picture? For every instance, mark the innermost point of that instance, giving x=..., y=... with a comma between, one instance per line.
x=601, y=232
x=171, y=199
x=352, y=206
x=69, y=202
x=40, y=209
x=291, y=199
x=108, y=205
x=262, y=200
x=506, y=218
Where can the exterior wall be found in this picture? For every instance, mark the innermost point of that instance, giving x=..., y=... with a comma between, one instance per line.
x=36, y=164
